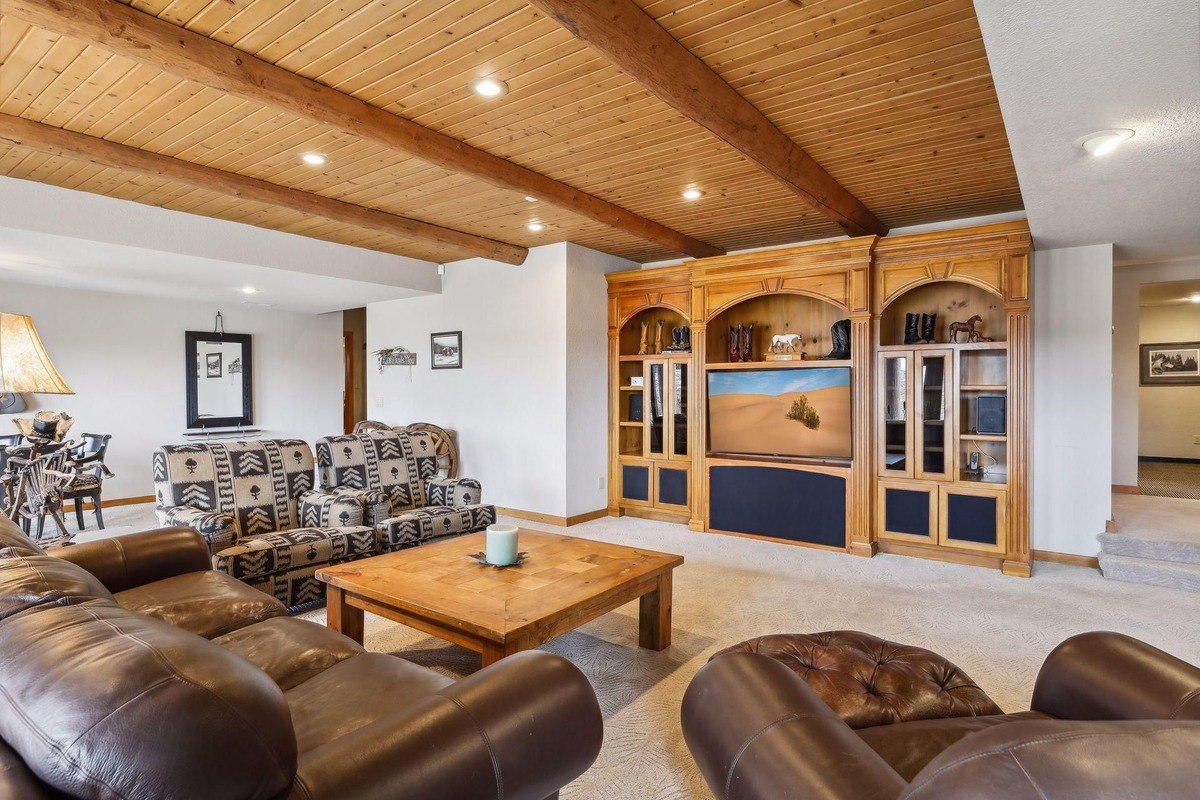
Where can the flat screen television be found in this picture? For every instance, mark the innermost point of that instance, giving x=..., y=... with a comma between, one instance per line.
x=800, y=412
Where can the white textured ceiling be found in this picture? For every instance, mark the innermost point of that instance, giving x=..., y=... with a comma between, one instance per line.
x=1067, y=68
x=60, y=237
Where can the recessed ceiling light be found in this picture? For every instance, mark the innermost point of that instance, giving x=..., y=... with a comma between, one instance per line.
x=1101, y=143
x=315, y=159
x=530, y=198
x=489, y=87
x=1195, y=298
x=249, y=290
x=692, y=194
x=536, y=227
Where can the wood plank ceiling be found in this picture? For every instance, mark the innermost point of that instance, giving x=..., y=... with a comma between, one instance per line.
x=893, y=98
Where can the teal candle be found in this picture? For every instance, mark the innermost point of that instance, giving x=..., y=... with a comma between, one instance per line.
x=502, y=545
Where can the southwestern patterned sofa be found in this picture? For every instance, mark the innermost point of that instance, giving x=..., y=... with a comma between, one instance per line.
x=394, y=475
x=254, y=503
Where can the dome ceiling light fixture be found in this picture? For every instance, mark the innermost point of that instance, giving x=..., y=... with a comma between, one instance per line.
x=1101, y=143
x=489, y=87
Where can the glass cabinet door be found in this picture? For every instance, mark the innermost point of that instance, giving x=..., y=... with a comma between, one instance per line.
x=656, y=438
x=897, y=435
x=933, y=458
x=679, y=409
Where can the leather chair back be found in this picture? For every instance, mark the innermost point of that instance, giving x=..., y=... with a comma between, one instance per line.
x=258, y=482
x=86, y=682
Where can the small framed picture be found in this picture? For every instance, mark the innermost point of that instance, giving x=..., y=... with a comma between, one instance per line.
x=1171, y=364
x=637, y=380
x=446, y=350
x=212, y=365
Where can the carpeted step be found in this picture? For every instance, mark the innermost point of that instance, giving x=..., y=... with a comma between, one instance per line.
x=1168, y=545
x=1169, y=574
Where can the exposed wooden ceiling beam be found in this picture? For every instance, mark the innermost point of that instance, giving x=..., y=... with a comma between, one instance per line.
x=628, y=37
x=178, y=51
x=67, y=144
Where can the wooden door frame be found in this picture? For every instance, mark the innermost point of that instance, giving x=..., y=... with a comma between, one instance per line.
x=348, y=385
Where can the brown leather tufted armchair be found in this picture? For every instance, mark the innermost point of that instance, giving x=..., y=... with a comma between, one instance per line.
x=847, y=715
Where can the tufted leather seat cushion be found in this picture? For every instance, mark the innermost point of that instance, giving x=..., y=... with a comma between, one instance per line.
x=870, y=681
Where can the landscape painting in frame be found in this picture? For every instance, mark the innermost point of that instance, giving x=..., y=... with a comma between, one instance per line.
x=803, y=413
x=446, y=350
x=1171, y=364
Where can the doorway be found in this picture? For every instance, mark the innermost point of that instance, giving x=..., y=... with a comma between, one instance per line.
x=1169, y=390
x=354, y=393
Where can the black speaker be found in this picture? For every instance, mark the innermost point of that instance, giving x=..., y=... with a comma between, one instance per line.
x=635, y=407
x=990, y=414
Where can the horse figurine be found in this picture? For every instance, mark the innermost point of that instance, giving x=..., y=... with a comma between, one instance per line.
x=967, y=327
x=786, y=342
x=976, y=336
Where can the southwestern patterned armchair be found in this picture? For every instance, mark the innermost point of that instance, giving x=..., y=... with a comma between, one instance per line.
x=394, y=475
x=255, y=505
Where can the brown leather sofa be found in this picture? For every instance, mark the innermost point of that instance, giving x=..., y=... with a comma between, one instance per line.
x=846, y=716
x=130, y=669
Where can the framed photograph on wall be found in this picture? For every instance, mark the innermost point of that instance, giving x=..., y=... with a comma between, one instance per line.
x=1171, y=364
x=213, y=362
x=446, y=350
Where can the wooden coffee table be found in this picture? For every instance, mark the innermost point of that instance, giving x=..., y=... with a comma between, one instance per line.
x=563, y=583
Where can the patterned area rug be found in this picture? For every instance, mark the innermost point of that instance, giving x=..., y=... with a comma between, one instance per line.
x=997, y=629
x=1162, y=479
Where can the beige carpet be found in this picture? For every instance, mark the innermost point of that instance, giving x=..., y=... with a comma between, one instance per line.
x=1167, y=479
x=998, y=629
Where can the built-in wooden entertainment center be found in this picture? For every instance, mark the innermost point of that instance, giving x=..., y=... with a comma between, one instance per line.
x=919, y=411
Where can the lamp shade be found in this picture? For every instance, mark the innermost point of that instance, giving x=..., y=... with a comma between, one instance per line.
x=24, y=363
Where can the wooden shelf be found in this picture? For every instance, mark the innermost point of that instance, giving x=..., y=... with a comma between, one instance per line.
x=983, y=387
x=625, y=424
x=797, y=364
x=982, y=437
x=655, y=355
x=944, y=345
x=995, y=478
x=632, y=388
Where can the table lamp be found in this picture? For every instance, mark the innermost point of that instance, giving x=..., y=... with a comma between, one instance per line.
x=24, y=364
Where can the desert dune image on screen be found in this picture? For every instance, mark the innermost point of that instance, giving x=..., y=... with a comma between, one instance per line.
x=790, y=412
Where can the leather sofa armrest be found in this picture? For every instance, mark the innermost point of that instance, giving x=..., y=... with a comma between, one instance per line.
x=759, y=732
x=520, y=729
x=1103, y=675
x=135, y=559
x=453, y=491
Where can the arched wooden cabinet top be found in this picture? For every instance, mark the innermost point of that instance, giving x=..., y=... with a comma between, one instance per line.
x=633, y=292
x=992, y=257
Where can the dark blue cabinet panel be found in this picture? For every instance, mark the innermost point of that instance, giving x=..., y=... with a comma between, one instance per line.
x=783, y=503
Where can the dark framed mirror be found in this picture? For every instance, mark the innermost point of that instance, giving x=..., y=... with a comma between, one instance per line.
x=220, y=384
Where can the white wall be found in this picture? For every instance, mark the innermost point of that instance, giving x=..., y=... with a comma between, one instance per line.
x=506, y=403
x=1169, y=416
x=1127, y=283
x=1072, y=398
x=124, y=357
x=587, y=376
x=530, y=402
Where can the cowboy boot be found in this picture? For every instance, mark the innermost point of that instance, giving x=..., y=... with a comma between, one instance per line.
x=929, y=328
x=746, y=341
x=842, y=340
x=912, y=325
x=735, y=343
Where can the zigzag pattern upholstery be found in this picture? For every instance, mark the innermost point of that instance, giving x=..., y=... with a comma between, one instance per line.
x=254, y=502
x=420, y=525
x=397, y=464
x=283, y=552
x=418, y=506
